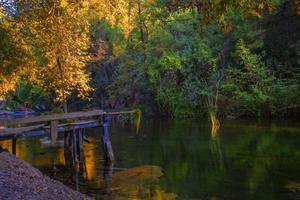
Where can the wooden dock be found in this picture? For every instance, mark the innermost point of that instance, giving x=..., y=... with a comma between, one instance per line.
x=51, y=125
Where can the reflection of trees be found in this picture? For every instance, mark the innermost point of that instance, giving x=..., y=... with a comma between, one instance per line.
x=132, y=183
x=262, y=161
x=216, y=151
x=197, y=163
x=139, y=183
x=31, y=151
x=201, y=166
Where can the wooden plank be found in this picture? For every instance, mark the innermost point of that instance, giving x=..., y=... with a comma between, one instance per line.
x=51, y=117
x=78, y=123
x=62, y=116
x=42, y=132
x=121, y=112
x=58, y=126
x=15, y=131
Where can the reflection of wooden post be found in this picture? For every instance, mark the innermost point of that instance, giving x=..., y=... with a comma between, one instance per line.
x=107, y=146
x=107, y=175
x=80, y=144
x=67, y=149
x=53, y=129
x=82, y=165
x=14, y=146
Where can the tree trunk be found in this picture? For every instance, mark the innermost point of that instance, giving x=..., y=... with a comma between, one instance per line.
x=65, y=105
x=214, y=122
x=140, y=22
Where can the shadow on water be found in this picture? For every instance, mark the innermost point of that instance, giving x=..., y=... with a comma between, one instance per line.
x=179, y=160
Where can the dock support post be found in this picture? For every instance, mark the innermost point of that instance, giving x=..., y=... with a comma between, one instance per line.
x=107, y=146
x=53, y=130
x=14, y=146
x=80, y=144
x=107, y=175
x=75, y=146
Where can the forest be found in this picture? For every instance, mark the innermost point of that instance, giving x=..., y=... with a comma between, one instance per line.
x=150, y=99
x=169, y=58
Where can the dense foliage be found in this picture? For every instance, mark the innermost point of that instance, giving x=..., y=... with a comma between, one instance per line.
x=174, y=58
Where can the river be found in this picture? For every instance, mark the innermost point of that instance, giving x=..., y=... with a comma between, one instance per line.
x=181, y=159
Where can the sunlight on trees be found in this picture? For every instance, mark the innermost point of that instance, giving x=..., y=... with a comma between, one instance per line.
x=177, y=58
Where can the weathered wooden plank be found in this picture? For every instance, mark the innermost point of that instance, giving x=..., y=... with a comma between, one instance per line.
x=15, y=131
x=51, y=117
x=79, y=123
x=58, y=126
x=42, y=131
x=62, y=116
x=120, y=112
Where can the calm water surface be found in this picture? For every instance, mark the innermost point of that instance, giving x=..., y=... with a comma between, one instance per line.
x=181, y=160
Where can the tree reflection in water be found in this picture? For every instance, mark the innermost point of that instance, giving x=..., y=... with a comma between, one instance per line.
x=243, y=161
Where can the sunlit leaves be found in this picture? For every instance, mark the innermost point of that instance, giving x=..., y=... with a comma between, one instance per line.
x=59, y=38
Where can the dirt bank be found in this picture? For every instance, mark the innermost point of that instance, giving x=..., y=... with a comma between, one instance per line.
x=19, y=180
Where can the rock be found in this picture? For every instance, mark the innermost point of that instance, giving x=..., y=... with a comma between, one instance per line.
x=19, y=180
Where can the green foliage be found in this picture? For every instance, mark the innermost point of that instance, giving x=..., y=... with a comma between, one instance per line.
x=25, y=96
x=285, y=94
x=176, y=58
x=250, y=85
x=173, y=103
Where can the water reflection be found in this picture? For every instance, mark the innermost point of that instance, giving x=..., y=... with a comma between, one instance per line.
x=216, y=151
x=180, y=160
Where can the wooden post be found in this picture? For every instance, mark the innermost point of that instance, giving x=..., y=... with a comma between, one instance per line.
x=53, y=129
x=80, y=144
x=107, y=146
x=107, y=175
x=14, y=146
x=75, y=145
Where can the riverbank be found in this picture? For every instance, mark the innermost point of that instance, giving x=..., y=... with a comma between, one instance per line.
x=19, y=180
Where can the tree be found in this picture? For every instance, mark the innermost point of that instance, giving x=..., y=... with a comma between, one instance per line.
x=249, y=84
x=57, y=35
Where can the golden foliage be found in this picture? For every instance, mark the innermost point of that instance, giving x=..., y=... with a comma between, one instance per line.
x=58, y=38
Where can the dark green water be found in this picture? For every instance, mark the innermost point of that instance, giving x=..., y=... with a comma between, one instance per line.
x=246, y=160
